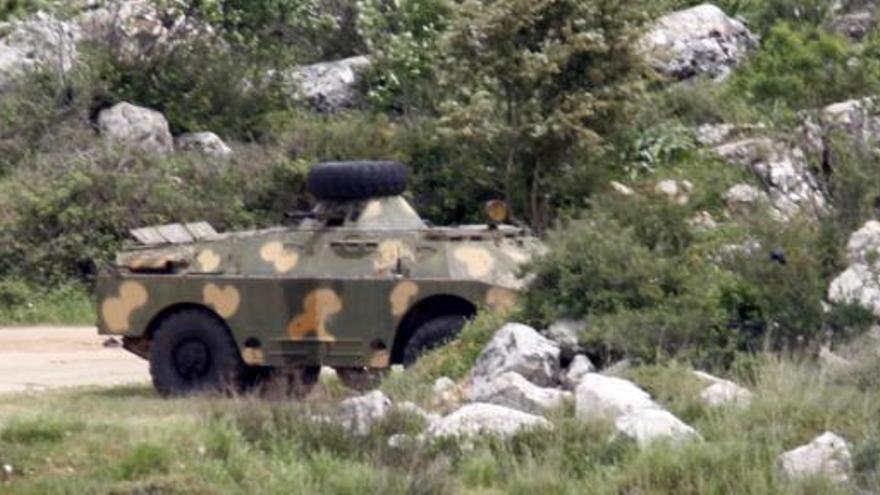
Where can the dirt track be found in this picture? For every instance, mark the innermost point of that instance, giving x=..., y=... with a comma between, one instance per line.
x=37, y=358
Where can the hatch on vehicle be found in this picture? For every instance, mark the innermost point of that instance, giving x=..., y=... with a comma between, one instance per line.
x=175, y=233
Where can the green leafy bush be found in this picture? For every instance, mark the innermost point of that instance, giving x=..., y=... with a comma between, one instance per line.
x=806, y=67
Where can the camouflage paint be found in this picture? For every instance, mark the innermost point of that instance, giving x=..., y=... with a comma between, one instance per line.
x=317, y=295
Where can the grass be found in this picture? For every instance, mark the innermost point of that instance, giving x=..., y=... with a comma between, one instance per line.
x=128, y=440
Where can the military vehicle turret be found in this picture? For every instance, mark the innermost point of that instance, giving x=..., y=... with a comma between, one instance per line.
x=358, y=284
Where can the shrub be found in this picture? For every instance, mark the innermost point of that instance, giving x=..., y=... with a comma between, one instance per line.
x=805, y=67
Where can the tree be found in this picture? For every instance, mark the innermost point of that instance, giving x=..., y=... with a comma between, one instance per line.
x=533, y=85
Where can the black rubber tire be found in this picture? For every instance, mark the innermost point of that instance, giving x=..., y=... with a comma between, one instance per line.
x=192, y=352
x=345, y=181
x=431, y=335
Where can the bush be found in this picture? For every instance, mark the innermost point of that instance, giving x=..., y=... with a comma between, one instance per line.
x=805, y=67
x=59, y=220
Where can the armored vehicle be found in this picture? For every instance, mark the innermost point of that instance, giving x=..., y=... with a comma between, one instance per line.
x=359, y=283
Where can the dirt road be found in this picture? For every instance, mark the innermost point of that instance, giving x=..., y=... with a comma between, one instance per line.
x=37, y=358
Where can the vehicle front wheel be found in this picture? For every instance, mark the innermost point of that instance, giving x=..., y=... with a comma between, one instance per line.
x=193, y=352
x=432, y=334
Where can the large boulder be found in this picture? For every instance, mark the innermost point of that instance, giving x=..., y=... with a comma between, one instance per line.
x=358, y=414
x=40, y=42
x=330, y=86
x=826, y=456
x=701, y=40
x=607, y=397
x=136, y=30
x=744, y=198
x=859, y=284
x=520, y=348
x=853, y=19
x=781, y=168
x=136, y=126
x=485, y=419
x=646, y=426
x=206, y=143
x=512, y=390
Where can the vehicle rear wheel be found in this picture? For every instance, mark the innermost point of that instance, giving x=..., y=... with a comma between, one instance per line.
x=431, y=335
x=193, y=352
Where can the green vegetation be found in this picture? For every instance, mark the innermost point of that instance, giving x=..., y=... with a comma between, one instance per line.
x=126, y=439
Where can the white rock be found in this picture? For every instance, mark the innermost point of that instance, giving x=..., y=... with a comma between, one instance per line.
x=512, y=390
x=207, y=143
x=137, y=126
x=401, y=440
x=443, y=384
x=702, y=221
x=860, y=283
x=621, y=189
x=827, y=456
x=744, y=198
x=358, y=414
x=678, y=191
x=651, y=424
x=579, y=367
x=565, y=333
x=486, y=419
x=701, y=40
x=721, y=392
x=38, y=42
x=607, y=397
x=330, y=86
x=520, y=348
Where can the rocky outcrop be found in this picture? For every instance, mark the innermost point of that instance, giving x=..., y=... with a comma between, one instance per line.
x=721, y=392
x=860, y=283
x=701, y=40
x=826, y=456
x=135, y=30
x=520, y=348
x=649, y=425
x=485, y=419
x=329, y=86
x=512, y=390
x=857, y=120
x=358, y=414
x=135, y=126
x=40, y=42
x=206, y=143
x=780, y=168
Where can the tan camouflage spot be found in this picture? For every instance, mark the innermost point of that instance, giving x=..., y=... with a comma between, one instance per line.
x=116, y=310
x=253, y=356
x=500, y=299
x=225, y=301
x=388, y=254
x=380, y=359
x=372, y=210
x=208, y=260
x=281, y=259
x=477, y=261
x=401, y=297
x=318, y=307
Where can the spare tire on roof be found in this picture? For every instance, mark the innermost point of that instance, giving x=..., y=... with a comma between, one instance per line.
x=343, y=181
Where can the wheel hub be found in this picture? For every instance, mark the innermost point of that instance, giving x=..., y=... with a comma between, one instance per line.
x=192, y=359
